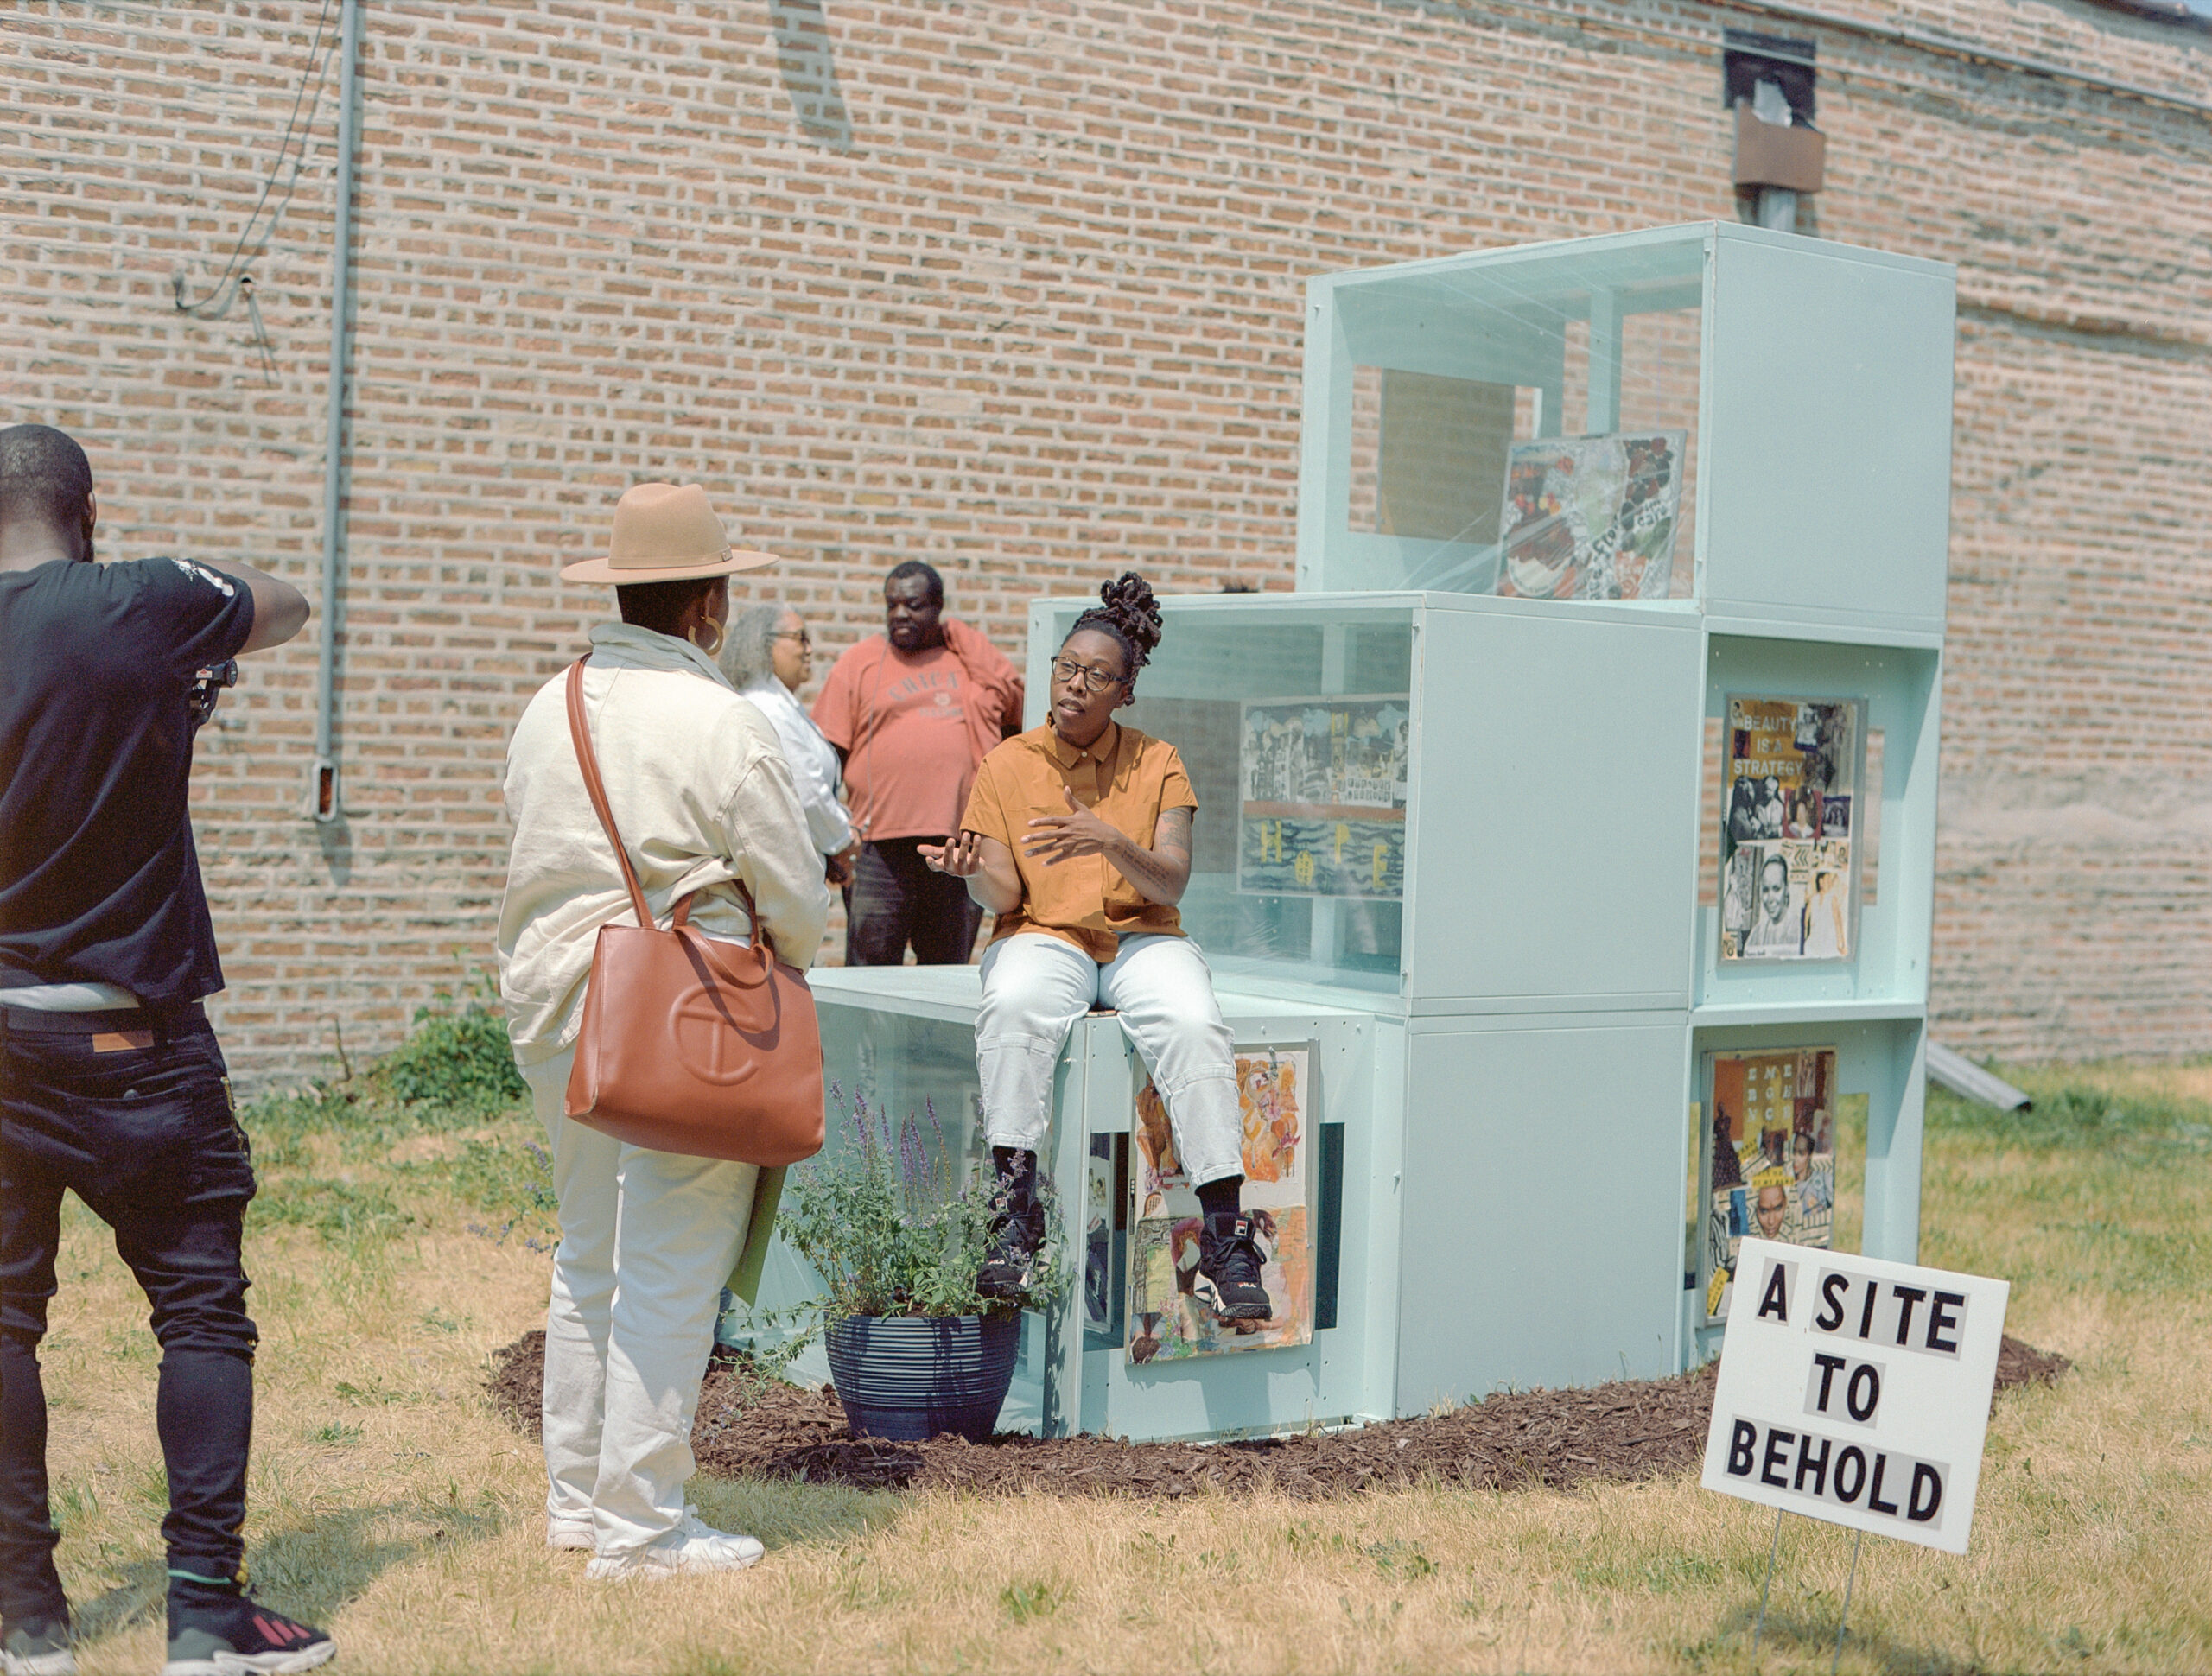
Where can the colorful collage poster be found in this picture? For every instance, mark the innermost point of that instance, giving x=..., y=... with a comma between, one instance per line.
x=1788, y=891
x=1770, y=1169
x=1592, y=517
x=1164, y=1321
x=1324, y=805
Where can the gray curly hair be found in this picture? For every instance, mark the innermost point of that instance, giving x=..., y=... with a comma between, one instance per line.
x=748, y=648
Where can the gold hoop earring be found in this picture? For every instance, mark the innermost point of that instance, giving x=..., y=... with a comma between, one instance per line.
x=706, y=649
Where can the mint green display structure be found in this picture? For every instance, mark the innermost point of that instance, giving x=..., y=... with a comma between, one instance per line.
x=1507, y=1058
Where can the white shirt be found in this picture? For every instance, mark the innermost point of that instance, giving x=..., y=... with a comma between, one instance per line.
x=702, y=796
x=813, y=762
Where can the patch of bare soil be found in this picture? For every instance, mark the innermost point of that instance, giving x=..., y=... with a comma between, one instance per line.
x=1628, y=1430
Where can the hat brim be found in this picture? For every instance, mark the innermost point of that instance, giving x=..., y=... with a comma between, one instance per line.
x=603, y=570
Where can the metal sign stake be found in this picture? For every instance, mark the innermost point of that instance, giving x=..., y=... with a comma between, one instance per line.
x=1836, y=1663
x=1773, y=1549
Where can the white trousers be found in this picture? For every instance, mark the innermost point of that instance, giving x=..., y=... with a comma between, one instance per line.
x=1034, y=989
x=647, y=1239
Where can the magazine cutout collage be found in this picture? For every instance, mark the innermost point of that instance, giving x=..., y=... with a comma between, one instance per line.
x=1274, y=1095
x=1323, y=804
x=1769, y=1168
x=1790, y=821
x=1592, y=517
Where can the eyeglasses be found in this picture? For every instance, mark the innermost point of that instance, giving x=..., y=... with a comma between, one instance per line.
x=1094, y=680
x=799, y=635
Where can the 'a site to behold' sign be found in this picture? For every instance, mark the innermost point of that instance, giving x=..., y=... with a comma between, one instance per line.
x=1856, y=1391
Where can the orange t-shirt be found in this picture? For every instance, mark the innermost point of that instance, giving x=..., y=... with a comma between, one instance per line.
x=1129, y=780
x=901, y=719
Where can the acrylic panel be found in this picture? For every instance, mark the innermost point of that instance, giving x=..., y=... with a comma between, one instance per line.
x=1770, y=1163
x=1787, y=882
x=1166, y=1323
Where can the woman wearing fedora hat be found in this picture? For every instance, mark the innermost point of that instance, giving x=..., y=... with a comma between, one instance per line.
x=704, y=802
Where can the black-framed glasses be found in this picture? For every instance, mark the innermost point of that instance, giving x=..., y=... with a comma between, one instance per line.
x=1094, y=680
x=798, y=634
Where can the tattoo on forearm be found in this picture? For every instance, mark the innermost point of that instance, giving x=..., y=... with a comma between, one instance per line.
x=1161, y=873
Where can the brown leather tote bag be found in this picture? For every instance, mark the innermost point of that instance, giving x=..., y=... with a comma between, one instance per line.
x=688, y=1044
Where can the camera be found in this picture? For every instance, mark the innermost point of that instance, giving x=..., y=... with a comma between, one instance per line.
x=206, y=687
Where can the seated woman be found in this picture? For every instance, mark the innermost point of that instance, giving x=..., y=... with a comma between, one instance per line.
x=1077, y=836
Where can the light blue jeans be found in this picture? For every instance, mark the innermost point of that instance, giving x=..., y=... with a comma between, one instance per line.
x=1034, y=989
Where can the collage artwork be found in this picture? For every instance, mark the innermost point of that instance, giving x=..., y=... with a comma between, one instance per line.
x=1592, y=517
x=1772, y=1168
x=1165, y=1322
x=1786, y=879
x=1323, y=797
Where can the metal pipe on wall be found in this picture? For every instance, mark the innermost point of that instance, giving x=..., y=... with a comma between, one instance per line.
x=324, y=793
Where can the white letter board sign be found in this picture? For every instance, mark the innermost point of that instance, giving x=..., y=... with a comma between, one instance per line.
x=1856, y=1391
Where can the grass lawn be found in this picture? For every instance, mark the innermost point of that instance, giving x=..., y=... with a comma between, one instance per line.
x=394, y=1246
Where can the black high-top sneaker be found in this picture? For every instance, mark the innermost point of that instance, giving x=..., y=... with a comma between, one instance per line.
x=218, y=1629
x=1017, y=1227
x=1228, y=1280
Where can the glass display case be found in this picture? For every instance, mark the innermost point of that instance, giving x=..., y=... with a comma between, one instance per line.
x=1584, y=790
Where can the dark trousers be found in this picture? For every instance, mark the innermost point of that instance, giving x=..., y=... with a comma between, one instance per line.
x=895, y=899
x=133, y=1113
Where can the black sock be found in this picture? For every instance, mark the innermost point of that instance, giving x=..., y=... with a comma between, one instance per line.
x=1223, y=1197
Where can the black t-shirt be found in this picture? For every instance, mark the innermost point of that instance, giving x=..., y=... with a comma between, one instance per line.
x=99, y=880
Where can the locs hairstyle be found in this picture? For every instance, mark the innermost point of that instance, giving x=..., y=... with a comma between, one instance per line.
x=1129, y=618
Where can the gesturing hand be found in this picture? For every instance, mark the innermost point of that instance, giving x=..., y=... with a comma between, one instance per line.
x=1056, y=838
x=963, y=857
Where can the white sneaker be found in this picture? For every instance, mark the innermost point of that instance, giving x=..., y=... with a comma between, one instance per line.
x=569, y=1530
x=691, y=1546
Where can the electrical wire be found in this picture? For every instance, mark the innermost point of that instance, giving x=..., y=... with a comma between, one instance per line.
x=314, y=75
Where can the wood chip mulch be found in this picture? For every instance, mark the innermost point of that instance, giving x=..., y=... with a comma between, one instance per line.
x=1628, y=1430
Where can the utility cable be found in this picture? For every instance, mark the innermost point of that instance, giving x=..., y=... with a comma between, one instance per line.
x=223, y=291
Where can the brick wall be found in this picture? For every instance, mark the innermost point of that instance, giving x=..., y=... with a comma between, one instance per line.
x=1015, y=288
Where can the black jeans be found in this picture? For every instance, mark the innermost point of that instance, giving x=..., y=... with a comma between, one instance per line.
x=133, y=1113
x=895, y=899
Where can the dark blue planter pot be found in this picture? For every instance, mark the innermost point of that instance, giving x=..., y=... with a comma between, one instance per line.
x=909, y=1378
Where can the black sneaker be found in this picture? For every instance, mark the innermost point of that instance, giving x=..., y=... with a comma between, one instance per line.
x=37, y=1646
x=254, y=1639
x=1228, y=1280
x=1017, y=1228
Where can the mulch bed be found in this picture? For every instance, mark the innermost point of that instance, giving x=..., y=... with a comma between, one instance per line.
x=1629, y=1430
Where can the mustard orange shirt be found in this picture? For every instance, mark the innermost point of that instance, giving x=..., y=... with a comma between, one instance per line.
x=1129, y=780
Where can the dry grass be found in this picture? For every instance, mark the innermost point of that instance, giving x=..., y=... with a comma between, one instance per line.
x=388, y=1503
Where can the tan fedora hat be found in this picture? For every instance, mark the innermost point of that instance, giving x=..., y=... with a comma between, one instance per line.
x=666, y=532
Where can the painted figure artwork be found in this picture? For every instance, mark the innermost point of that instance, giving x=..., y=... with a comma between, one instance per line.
x=1592, y=517
x=1771, y=1162
x=1788, y=829
x=1165, y=1322
x=1323, y=797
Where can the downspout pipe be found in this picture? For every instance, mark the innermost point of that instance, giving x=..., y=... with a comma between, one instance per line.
x=324, y=794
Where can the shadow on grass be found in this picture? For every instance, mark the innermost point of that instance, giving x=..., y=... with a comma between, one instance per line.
x=311, y=1571
x=1802, y=1631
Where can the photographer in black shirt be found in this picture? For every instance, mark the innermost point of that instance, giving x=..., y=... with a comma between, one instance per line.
x=112, y=1084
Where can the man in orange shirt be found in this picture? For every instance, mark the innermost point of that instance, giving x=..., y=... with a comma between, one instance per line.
x=911, y=712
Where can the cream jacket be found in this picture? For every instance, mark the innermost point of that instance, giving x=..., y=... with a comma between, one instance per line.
x=702, y=796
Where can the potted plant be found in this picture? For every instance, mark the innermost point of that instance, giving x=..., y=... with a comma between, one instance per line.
x=897, y=1238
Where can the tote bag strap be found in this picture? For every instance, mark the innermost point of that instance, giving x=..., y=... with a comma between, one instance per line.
x=595, y=787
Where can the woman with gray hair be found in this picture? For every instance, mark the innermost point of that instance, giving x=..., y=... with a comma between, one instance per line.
x=768, y=656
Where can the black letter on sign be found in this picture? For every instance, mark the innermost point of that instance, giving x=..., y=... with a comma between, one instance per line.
x=1868, y=1375
x=1874, y=1502
x=1815, y=1464
x=1739, y=1449
x=1831, y=1315
x=1907, y=1296
x=1829, y=1366
x=1777, y=1457
x=1851, y=1464
x=1776, y=1301
x=1942, y=1319
x=1867, y=1315
x=1924, y=1478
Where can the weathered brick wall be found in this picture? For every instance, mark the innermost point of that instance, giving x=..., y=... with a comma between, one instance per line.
x=1015, y=288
